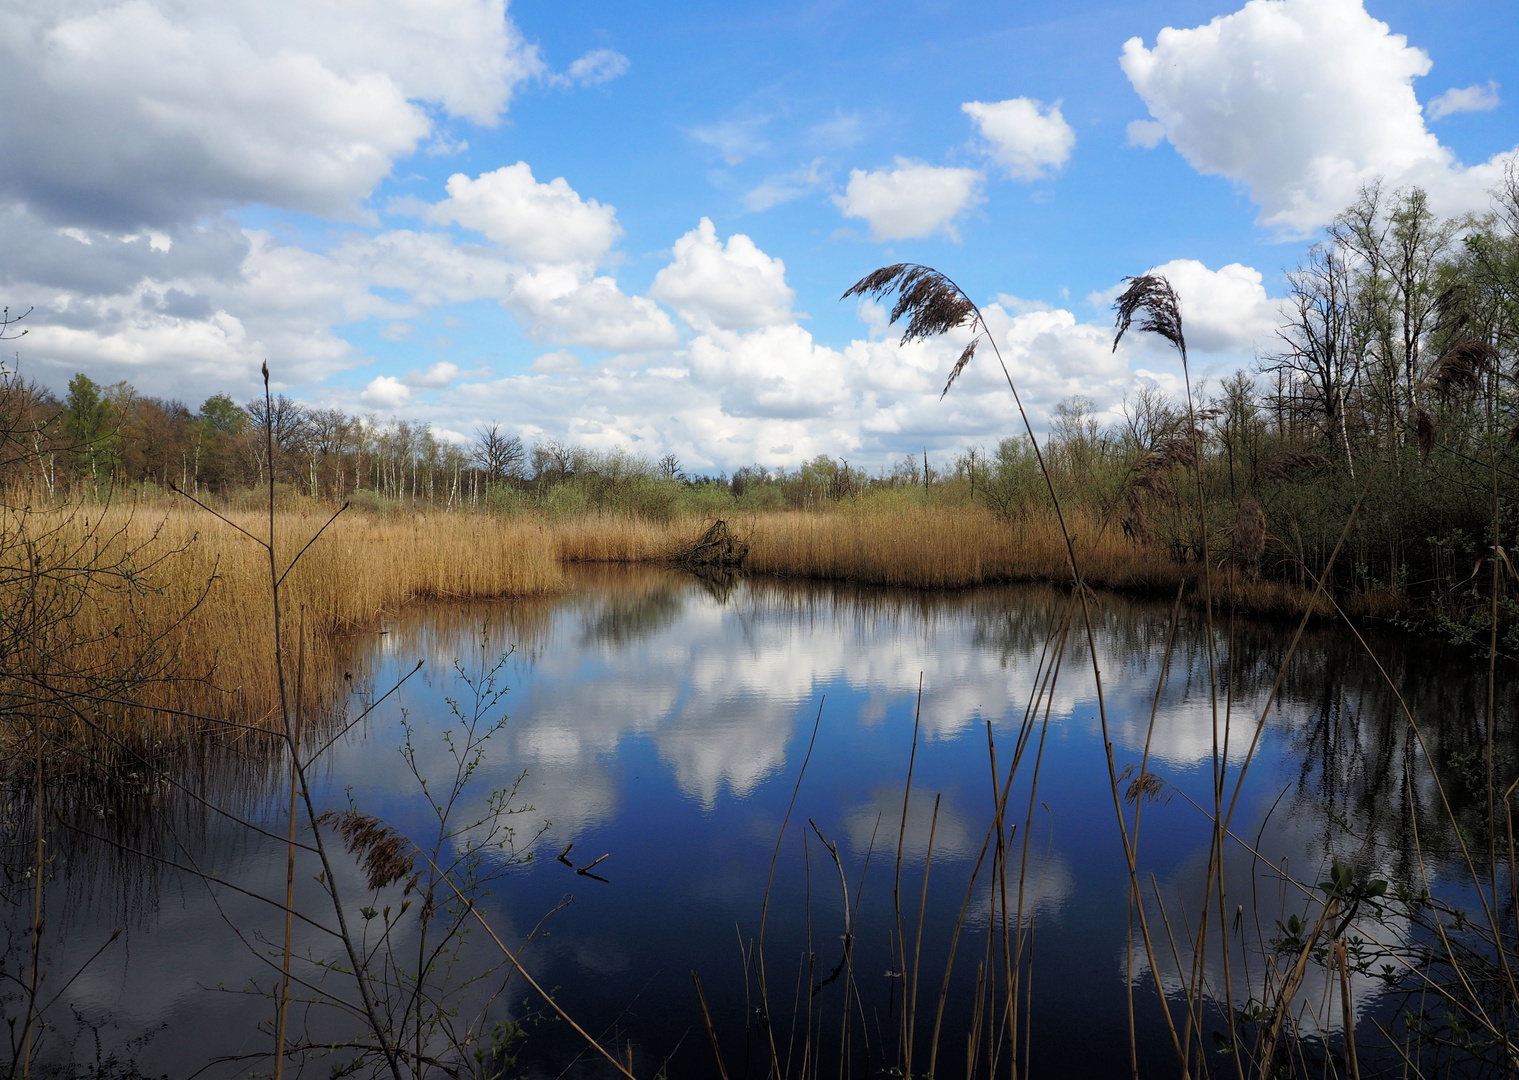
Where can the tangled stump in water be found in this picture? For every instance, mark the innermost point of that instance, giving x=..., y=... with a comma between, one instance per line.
x=717, y=548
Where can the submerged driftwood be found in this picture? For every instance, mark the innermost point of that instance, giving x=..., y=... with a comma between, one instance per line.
x=718, y=547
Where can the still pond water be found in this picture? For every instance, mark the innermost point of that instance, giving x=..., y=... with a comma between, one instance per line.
x=663, y=721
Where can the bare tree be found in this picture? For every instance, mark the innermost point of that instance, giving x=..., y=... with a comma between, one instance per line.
x=969, y=464
x=1075, y=435
x=328, y=433
x=1398, y=244
x=499, y=455
x=669, y=467
x=1324, y=340
x=285, y=415
x=279, y=428
x=1149, y=416
x=553, y=459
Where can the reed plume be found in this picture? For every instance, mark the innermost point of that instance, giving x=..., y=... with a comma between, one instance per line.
x=933, y=305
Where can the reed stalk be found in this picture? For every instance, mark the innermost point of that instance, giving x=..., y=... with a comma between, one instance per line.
x=775, y=1062
x=899, y=972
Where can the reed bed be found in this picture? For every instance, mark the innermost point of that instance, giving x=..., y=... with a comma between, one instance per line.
x=619, y=538
x=927, y=547
x=921, y=546
x=918, y=545
x=172, y=610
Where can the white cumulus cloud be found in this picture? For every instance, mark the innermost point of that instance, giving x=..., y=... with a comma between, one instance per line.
x=558, y=305
x=1301, y=101
x=732, y=286
x=386, y=392
x=138, y=122
x=437, y=375
x=1224, y=310
x=132, y=126
x=200, y=316
x=561, y=360
x=1028, y=139
x=776, y=395
x=779, y=372
x=910, y=200
x=536, y=223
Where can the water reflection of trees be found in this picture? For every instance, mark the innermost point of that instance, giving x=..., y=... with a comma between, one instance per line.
x=624, y=619
x=1387, y=806
x=1360, y=766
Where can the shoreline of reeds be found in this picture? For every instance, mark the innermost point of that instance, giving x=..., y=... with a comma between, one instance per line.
x=932, y=548
x=176, y=594
x=165, y=615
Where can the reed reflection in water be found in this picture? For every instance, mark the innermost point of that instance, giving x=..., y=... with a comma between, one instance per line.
x=661, y=721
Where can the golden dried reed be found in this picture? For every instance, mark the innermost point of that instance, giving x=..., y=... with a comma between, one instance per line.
x=929, y=547
x=191, y=594
x=924, y=546
x=619, y=538
x=196, y=592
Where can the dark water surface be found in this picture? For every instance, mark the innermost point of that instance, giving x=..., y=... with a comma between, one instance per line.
x=662, y=721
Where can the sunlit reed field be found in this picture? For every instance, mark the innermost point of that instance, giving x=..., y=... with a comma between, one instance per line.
x=171, y=609
x=171, y=604
x=910, y=544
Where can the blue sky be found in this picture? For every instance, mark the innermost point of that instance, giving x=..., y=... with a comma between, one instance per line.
x=629, y=225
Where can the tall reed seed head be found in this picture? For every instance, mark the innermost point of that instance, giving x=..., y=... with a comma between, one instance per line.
x=1289, y=465
x=1135, y=523
x=1460, y=369
x=1154, y=301
x=385, y=854
x=933, y=305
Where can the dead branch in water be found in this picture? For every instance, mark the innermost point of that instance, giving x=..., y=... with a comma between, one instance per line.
x=718, y=546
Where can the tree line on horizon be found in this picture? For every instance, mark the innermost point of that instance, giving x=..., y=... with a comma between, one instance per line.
x=99, y=440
